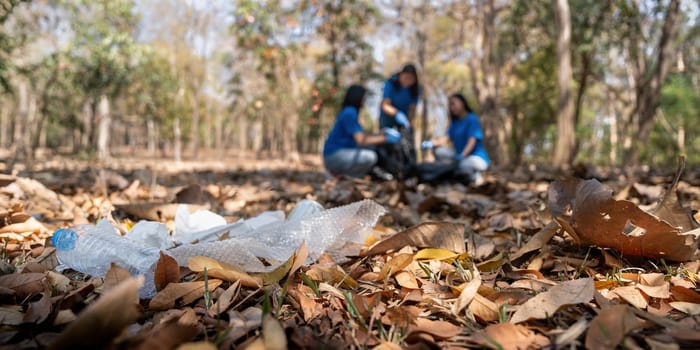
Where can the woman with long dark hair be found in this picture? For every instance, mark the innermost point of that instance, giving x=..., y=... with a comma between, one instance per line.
x=345, y=151
x=466, y=137
x=399, y=99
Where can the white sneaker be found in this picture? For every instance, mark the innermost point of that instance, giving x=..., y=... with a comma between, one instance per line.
x=478, y=180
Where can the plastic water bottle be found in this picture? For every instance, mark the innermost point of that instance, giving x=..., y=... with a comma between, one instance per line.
x=91, y=249
x=322, y=230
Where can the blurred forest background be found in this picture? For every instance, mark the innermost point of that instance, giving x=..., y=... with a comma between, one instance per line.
x=605, y=82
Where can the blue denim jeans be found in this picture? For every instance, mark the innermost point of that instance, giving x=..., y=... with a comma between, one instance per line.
x=470, y=167
x=353, y=162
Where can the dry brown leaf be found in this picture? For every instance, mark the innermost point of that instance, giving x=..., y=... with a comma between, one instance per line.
x=661, y=292
x=468, y=293
x=201, y=345
x=407, y=280
x=24, y=284
x=223, y=271
x=64, y=317
x=171, y=332
x=479, y=247
x=537, y=241
x=39, y=311
x=115, y=276
x=309, y=307
x=385, y=345
x=546, y=304
x=299, y=258
x=631, y=295
x=332, y=275
x=685, y=294
x=394, y=266
x=167, y=271
x=31, y=225
x=437, y=329
x=670, y=209
x=241, y=323
x=652, y=279
x=610, y=326
x=686, y=307
x=484, y=309
x=598, y=219
x=11, y=315
x=273, y=334
x=257, y=344
x=225, y=299
x=508, y=336
x=58, y=281
x=103, y=320
x=569, y=336
x=426, y=235
x=188, y=291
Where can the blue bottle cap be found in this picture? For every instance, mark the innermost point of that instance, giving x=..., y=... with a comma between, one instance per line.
x=60, y=235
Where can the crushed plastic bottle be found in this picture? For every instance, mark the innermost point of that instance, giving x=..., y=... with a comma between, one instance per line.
x=188, y=226
x=91, y=249
x=151, y=234
x=320, y=229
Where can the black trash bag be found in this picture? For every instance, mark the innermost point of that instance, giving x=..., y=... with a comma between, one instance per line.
x=398, y=159
x=437, y=172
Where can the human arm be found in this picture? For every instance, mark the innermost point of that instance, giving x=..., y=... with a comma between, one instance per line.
x=388, y=108
x=471, y=143
x=363, y=139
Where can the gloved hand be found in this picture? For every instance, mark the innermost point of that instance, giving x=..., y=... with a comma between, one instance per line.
x=427, y=144
x=391, y=135
x=401, y=119
x=458, y=156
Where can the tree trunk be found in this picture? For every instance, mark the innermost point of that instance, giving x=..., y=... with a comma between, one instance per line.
x=151, y=136
x=486, y=78
x=566, y=136
x=194, y=131
x=177, y=141
x=4, y=124
x=649, y=89
x=105, y=120
x=422, y=43
x=613, y=127
x=19, y=140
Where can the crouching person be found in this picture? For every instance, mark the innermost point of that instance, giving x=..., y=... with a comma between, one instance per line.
x=466, y=137
x=346, y=150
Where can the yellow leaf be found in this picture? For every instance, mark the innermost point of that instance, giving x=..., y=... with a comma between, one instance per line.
x=396, y=264
x=223, y=271
x=277, y=274
x=435, y=254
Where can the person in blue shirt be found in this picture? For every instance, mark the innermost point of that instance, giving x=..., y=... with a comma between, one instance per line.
x=399, y=99
x=345, y=150
x=466, y=137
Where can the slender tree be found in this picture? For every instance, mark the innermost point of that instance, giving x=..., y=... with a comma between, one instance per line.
x=566, y=136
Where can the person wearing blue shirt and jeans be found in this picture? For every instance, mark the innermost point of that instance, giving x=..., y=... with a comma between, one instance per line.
x=466, y=137
x=345, y=151
x=399, y=99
